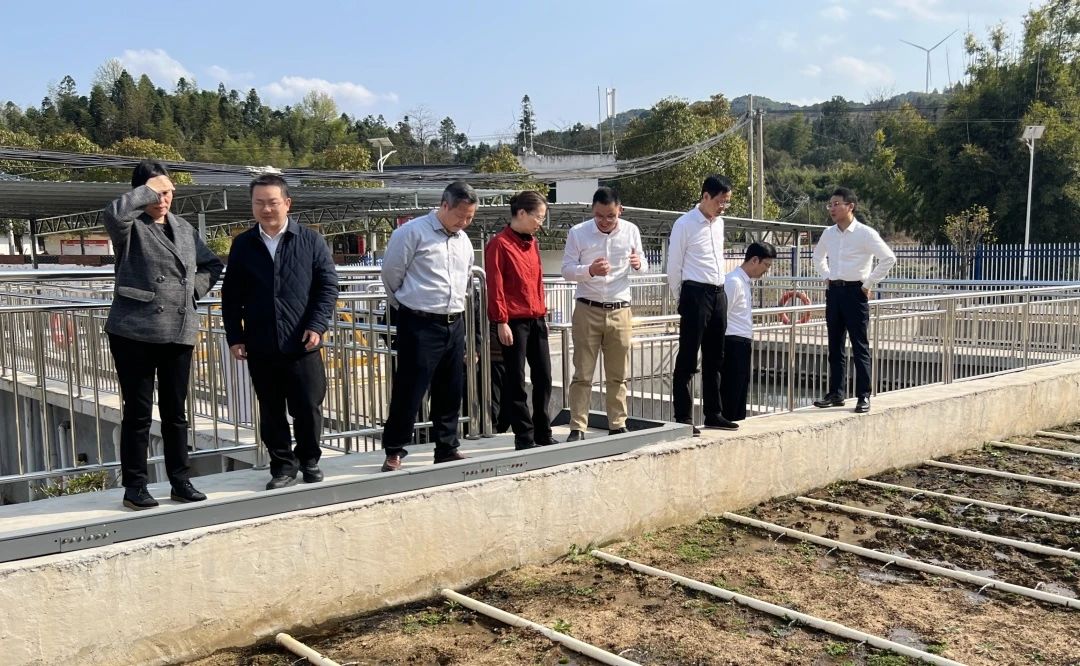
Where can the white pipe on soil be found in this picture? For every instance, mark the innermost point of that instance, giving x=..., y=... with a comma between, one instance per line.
x=1034, y=449
x=907, y=563
x=927, y=525
x=974, y=502
x=299, y=649
x=834, y=628
x=1057, y=435
x=1005, y=475
x=574, y=644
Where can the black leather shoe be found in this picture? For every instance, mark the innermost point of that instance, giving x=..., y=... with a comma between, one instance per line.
x=830, y=400
x=449, y=457
x=546, y=441
x=616, y=431
x=185, y=492
x=311, y=472
x=139, y=498
x=721, y=424
x=694, y=428
x=391, y=464
x=521, y=443
x=280, y=482
x=862, y=406
x=575, y=436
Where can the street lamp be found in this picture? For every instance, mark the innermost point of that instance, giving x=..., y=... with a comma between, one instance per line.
x=1031, y=134
x=382, y=142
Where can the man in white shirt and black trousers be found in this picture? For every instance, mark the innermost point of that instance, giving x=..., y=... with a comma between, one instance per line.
x=696, y=279
x=426, y=272
x=844, y=256
x=738, y=343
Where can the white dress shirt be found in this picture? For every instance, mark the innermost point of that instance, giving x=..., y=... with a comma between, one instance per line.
x=740, y=318
x=695, y=251
x=271, y=242
x=426, y=269
x=849, y=255
x=585, y=243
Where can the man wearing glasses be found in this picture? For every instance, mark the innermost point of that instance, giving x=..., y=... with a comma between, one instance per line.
x=696, y=278
x=844, y=256
x=600, y=255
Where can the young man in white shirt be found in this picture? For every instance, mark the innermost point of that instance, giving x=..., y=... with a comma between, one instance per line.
x=738, y=343
x=696, y=279
x=600, y=255
x=844, y=256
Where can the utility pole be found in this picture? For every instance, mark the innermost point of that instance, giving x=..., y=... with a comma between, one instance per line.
x=1031, y=134
x=600, y=119
x=750, y=154
x=761, y=163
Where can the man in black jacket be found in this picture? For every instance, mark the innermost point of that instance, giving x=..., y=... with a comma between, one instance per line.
x=277, y=300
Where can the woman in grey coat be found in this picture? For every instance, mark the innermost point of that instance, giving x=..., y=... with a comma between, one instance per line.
x=162, y=268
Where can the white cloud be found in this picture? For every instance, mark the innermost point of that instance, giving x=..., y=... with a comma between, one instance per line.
x=349, y=96
x=163, y=69
x=219, y=73
x=826, y=41
x=882, y=14
x=835, y=13
x=860, y=71
x=787, y=40
x=810, y=70
x=925, y=10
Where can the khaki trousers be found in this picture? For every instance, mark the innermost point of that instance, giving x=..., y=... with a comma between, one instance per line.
x=595, y=330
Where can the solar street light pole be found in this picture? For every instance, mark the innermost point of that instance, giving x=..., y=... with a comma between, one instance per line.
x=1031, y=134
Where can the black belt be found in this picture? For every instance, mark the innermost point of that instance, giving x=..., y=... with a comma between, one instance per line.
x=845, y=283
x=439, y=318
x=618, y=305
x=713, y=288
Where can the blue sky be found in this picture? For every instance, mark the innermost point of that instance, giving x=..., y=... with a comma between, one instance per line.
x=473, y=61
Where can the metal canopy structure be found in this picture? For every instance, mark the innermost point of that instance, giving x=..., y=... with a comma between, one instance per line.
x=187, y=205
x=25, y=199
x=491, y=218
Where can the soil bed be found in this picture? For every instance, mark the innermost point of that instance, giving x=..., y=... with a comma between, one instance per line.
x=653, y=621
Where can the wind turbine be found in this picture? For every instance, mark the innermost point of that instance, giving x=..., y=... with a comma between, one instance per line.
x=928, y=50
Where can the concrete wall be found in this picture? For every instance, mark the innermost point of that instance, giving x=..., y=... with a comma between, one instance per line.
x=187, y=594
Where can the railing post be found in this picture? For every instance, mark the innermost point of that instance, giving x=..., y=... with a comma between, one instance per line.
x=791, y=351
x=948, y=341
x=1025, y=334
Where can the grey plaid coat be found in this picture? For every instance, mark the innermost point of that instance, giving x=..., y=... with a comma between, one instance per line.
x=157, y=280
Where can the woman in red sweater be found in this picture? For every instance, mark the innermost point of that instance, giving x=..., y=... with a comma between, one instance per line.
x=516, y=308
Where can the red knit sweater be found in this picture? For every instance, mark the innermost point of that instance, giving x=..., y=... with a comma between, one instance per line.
x=515, y=277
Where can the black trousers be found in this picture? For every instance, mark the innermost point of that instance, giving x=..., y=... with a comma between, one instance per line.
x=531, y=344
x=735, y=377
x=137, y=363
x=430, y=354
x=296, y=383
x=847, y=312
x=702, y=324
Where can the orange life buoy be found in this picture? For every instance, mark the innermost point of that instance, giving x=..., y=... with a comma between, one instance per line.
x=786, y=298
x=61, y=329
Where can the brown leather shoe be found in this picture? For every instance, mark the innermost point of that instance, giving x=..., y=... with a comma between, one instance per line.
x=449, y=457
x=392, y=463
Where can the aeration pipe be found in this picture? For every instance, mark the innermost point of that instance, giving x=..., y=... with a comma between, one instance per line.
x=1005, y=475
x=834, y=628
x=1034, y=449
x=299, y=649
x=974, y=502
x=574, y=644
x=907, y=563
x=927, y=525
x=1057, y=435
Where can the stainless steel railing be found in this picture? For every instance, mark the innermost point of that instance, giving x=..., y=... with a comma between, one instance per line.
x=58, y=383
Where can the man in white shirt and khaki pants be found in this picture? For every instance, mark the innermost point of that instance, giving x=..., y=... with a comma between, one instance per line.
x=738, y=342
x=600, y=255
x=844, y=257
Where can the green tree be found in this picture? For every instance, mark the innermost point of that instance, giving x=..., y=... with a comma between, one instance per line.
x=966, y=230
x=503, y=160
x=150, y=149
x=674, y=123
